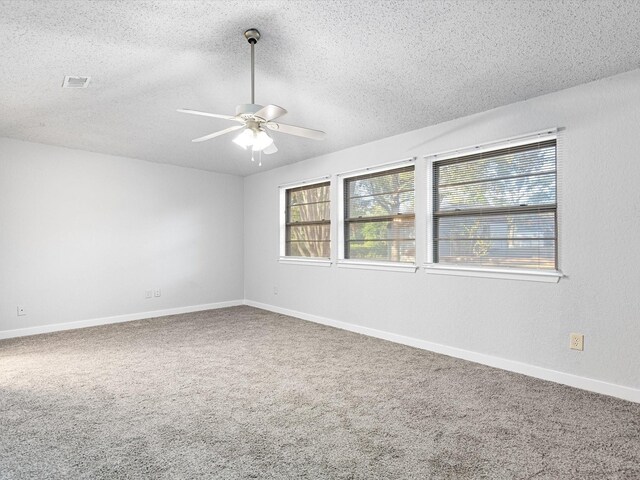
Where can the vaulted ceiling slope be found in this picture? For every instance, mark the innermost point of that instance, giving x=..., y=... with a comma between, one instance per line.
x=360, y=70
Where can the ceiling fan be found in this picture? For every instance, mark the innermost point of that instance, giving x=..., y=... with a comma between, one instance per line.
x=255, y=119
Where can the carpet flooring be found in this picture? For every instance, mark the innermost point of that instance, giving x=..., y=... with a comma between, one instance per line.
x=243, y=393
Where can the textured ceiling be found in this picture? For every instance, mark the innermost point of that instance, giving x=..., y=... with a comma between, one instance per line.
x=359, y=70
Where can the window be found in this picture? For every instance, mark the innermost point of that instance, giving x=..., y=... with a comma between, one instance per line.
x=379, y=218
x=307, y=221
x=497, y=208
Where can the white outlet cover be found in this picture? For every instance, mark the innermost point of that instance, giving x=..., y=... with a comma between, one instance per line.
x=157, y=292
x=21, y=311
x=576, y=341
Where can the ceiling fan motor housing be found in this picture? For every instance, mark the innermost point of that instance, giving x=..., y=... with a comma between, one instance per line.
x=246, y=110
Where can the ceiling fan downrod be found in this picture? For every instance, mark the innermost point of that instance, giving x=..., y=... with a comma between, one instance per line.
x=252, y=35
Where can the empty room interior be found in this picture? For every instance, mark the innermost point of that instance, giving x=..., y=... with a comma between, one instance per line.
x=290, y=239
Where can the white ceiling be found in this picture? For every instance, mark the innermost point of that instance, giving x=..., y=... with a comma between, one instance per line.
x=359, y=70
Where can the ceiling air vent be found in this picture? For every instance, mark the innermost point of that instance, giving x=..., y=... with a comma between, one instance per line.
x=75, y=82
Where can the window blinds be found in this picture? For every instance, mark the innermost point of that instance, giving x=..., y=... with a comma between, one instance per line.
x=497, y=208
x=379, y=218
x=308, y=224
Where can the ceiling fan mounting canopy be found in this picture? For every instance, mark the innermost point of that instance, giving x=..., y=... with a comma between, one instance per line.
x=252, y=35
x=256, y=119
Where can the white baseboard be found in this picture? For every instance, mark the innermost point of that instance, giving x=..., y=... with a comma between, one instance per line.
x=22, y=332
x=584, y=383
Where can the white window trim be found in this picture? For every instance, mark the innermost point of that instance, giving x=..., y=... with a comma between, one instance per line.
x=550, y=276
x=312, y=261
x=542, y=135
x=368, y=264
x=381, y=167
x=282, y=257
x=502, y=273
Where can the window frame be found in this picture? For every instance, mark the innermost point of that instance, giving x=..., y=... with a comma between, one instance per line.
x=284, y=207
x=432, y=267
x=343, y=262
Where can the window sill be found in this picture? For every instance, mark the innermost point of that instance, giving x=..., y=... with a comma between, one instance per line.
x=315, y=262
x=502, y=273
x=388, y=266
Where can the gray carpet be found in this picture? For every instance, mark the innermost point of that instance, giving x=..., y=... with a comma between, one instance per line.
x=244, y=393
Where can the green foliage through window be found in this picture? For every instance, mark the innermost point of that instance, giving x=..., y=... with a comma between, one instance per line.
x=379, y=216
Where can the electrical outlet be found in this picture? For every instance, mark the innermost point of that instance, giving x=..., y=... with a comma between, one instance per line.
x=21, y=311
x=275, y=290
x=157, y=292
x=148, y=293
x=576, y=341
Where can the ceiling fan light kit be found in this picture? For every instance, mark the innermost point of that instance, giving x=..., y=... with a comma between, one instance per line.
x=257, y=139
x=256, y=119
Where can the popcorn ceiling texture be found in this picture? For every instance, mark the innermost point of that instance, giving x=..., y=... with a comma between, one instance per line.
x=242, y=393
x=360, y=70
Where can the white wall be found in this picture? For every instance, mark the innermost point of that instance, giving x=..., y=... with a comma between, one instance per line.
x=517, y=320
x=83, y=235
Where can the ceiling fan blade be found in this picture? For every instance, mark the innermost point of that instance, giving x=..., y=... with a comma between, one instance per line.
x=214, y=115
x=298, y=131
x=270, y=149
x=270, y=112
x=217, y=134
